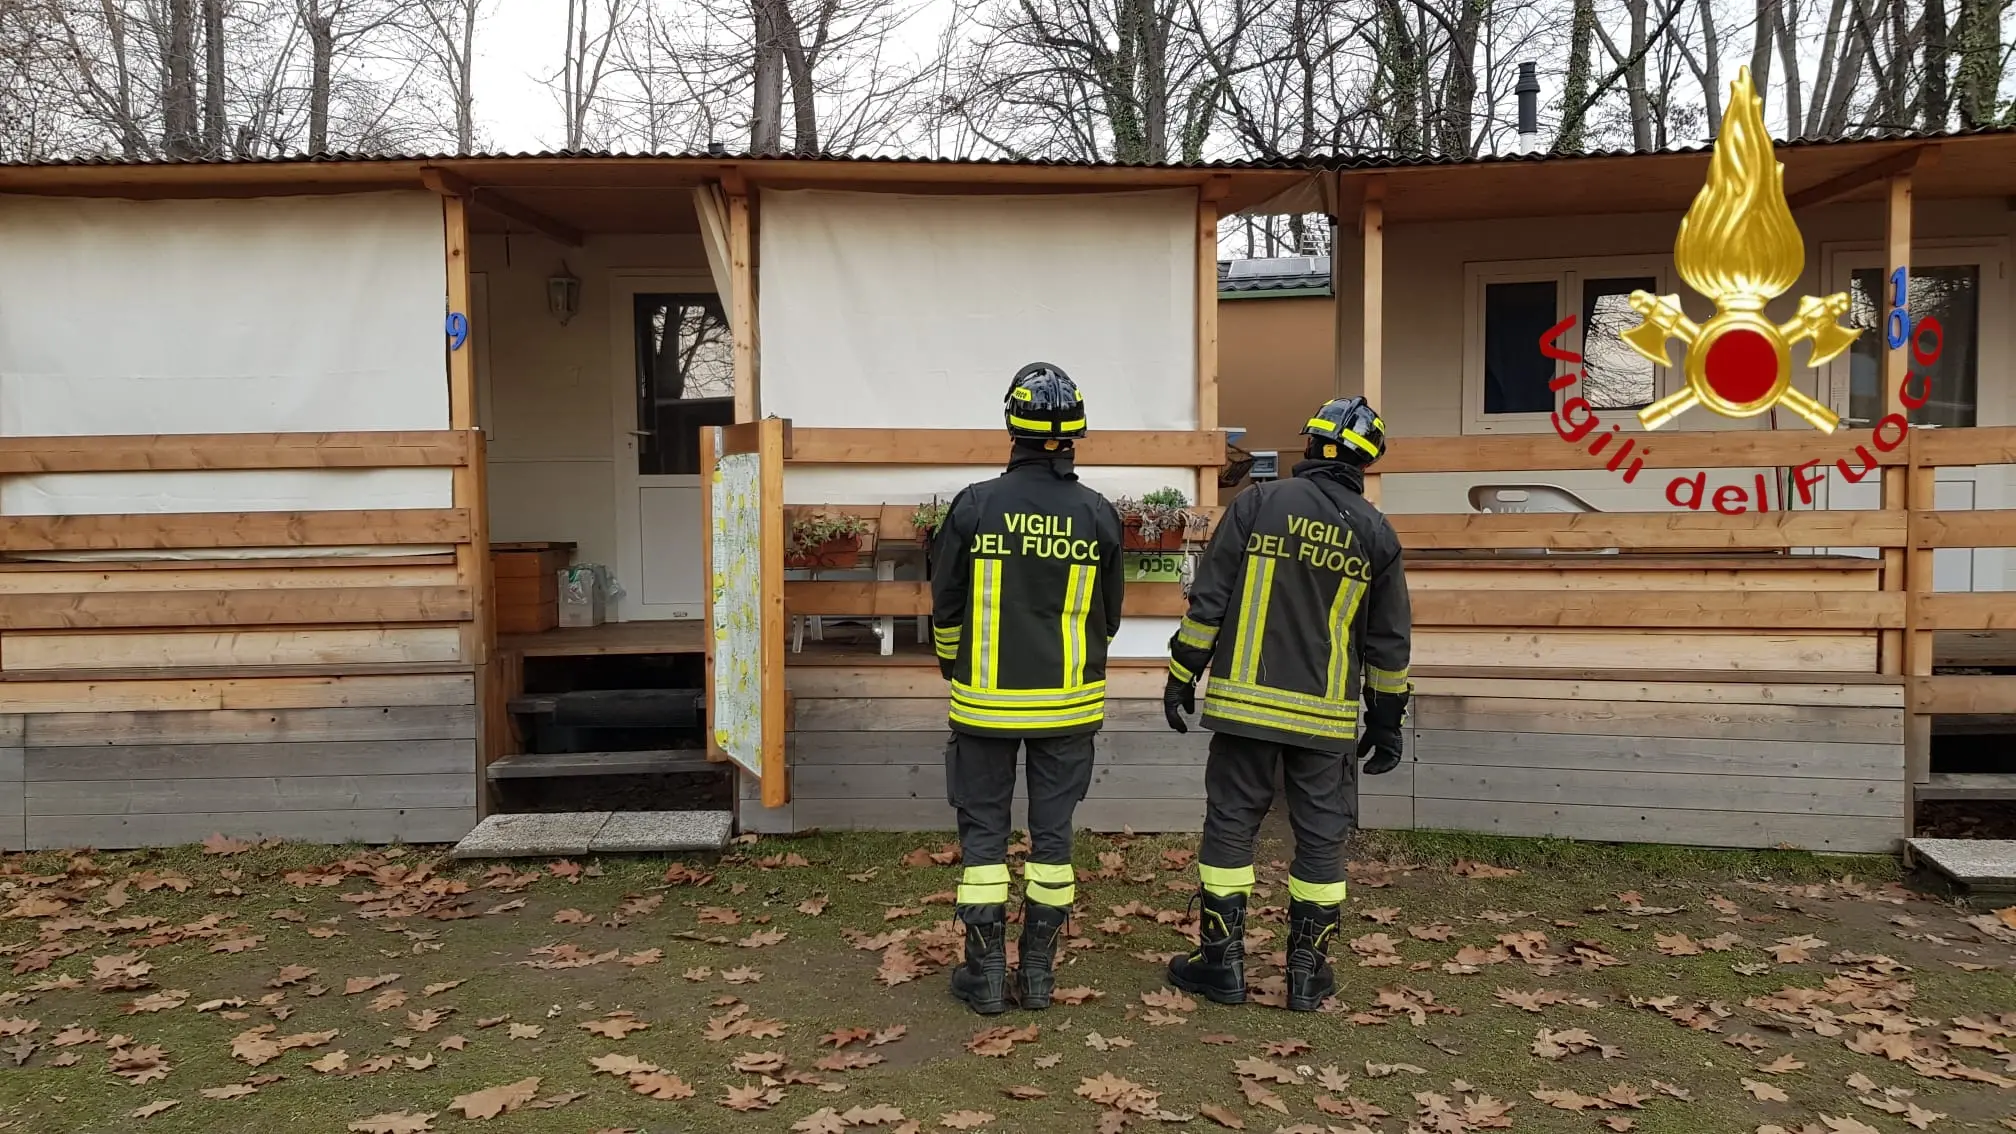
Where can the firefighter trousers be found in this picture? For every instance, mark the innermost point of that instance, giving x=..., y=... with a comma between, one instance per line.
x=1239, y=778
x=980, y=786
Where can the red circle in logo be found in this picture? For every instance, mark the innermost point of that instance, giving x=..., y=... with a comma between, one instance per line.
x=1742, y=365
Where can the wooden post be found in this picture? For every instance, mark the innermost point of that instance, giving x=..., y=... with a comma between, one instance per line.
x=472, y=559
x=776, y=776
x=1372, y=227
x=1897, y=254
x=1208, y=197
x=742, y=287
x=1920, y=487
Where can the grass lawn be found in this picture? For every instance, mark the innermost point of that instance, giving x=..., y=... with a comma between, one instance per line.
x=298, y=988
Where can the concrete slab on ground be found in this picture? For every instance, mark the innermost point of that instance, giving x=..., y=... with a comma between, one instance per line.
x=643, y=832
x=540, y=834
x=1977, y=864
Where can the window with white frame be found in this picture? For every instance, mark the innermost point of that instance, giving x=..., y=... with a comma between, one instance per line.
x=1509, y=308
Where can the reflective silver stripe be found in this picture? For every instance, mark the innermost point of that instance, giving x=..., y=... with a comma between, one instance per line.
x=1259, y=587
x=1386, y=680
x=1284, y=698
x=1343, y=614
x=986, y=718
x=986, y=622
x=1077, y=602
x=1281, y=719
x=1191, y=632
x=1012, y=698
x=1180, y=672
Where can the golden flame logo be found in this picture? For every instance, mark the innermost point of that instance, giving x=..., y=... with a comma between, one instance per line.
x=1739, y=247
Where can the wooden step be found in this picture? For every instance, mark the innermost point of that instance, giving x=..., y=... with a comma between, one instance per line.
x=656, y=762
x=614, y=708
x=1969, y=785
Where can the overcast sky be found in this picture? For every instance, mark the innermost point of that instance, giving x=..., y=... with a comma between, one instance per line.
x=517, y=45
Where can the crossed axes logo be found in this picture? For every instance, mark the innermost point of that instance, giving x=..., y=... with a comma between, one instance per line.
x=1739, y=247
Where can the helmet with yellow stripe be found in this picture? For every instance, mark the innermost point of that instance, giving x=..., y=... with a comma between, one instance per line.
x=1346, y=429
x=1043, y=404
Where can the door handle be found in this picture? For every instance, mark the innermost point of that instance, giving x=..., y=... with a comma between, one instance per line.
x=643, y=433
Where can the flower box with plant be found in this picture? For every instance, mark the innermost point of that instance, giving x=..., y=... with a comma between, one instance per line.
x=825, y=541
x=927, y=519
x=1159, y=521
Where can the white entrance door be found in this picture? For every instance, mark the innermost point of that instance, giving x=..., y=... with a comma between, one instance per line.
x=1964, y=286
x=674, y=374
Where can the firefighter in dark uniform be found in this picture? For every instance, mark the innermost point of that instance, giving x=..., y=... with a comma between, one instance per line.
x=1025, y=595
x=1299, y=608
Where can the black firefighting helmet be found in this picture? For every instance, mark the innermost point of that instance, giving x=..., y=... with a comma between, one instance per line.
x=1346, y=429
x=1043, y=404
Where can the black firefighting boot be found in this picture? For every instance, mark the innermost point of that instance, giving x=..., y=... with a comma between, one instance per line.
x=1310, y=980
x=1216, y=970
x=982, y=979
x=1035, y=979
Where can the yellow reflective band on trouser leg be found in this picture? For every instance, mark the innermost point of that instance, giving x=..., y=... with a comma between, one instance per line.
x=1226, y=881
x=1318, y=893
x=1051, y=884
x=984, y=885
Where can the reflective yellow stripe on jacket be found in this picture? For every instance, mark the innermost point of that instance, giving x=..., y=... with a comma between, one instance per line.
x=1077, y=603
x=1008, y=710
x=1343, y=613
x=1257, y=588
x=1249, y=703
x=986, y=622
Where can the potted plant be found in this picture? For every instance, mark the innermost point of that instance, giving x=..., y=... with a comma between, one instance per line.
x=1158, y=521
x=825, y=541
x=927, y=519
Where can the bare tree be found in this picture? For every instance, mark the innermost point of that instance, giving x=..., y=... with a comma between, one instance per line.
x=445, y=33
x=594, y=27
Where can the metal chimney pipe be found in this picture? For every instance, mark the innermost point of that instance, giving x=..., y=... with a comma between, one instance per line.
x=1528, y=90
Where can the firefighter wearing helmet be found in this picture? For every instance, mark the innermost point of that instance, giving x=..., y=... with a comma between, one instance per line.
x=1025, y=595
x=1298, y=610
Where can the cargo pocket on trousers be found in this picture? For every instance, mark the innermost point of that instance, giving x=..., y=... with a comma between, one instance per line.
x=951, y=769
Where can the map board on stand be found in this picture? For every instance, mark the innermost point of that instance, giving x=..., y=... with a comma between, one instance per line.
x=742, y=467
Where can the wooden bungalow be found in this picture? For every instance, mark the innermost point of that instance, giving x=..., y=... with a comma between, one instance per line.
x=249, y=495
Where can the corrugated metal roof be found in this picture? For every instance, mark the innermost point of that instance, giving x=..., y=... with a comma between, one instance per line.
x=1312, y=162
x=1265, y=274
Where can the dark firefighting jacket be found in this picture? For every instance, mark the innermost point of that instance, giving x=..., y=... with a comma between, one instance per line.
x=1026, y=584
x=1299, y=599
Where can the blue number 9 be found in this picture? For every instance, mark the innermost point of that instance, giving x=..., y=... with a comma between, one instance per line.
x=458, y=330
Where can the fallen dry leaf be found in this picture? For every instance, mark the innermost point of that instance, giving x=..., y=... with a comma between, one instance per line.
x=394, y=1122
x=1025, y=1093
x=615, y=1027
x=155, y=1107
x=357, y=984
x=1765, y=1092
x=228, y=1091
x=1221, y=1116
x=749, y=1098
x=217, y=844
x=660, y=1085
x=1465, y=868
x=965, y=1119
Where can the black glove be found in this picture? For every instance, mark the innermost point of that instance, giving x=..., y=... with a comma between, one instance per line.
x=1381, y=734
x=1178, y=697
x=945, y=668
